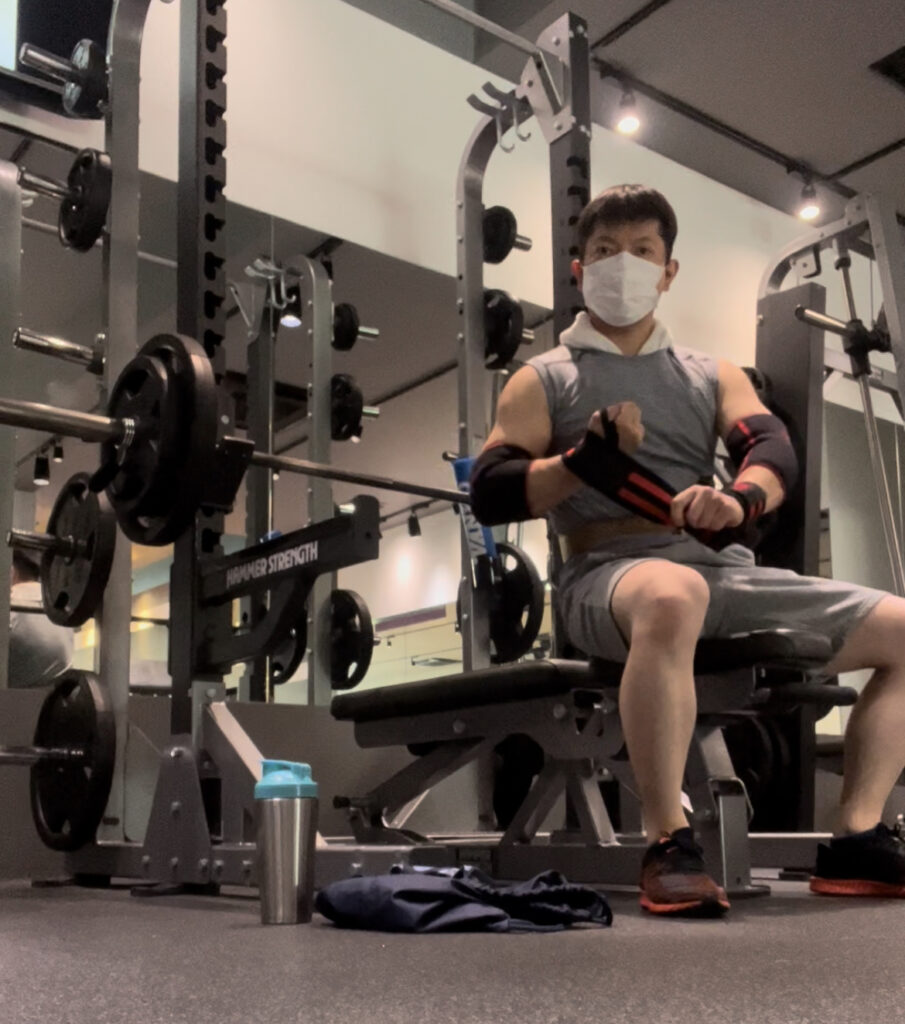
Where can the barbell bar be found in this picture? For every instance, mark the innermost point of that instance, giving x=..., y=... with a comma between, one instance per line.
x=96, y=428
x=39, y=755
x=48, y=345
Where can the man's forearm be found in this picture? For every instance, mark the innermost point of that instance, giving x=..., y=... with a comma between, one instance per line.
x=549, y=483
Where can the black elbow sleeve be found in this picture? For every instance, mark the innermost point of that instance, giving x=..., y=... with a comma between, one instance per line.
x=762, y=440
x=499, y=485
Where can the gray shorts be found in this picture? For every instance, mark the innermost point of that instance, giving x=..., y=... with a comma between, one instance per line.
x=743, y=596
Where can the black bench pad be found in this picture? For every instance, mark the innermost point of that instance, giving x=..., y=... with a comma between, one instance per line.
x=501, y=684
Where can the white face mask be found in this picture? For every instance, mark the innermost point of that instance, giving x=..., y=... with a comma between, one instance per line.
x=621, y=289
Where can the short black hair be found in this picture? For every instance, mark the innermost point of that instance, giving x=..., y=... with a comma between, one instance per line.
x=625, y=204
x=26, y=565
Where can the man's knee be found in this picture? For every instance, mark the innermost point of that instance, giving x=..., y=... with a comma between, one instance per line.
x=663, y=600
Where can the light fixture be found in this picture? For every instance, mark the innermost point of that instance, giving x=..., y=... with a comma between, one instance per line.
x=808, y=207
x=628, y=122
x=291, y=315
x=57, y=451
x=414, y=526
x=42, y=470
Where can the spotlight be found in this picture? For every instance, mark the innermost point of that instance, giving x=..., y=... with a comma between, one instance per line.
x=414, y=526
x=291, y=316
x=628, y=122
x=42, y=470
x=57, y=451
x=809, y=208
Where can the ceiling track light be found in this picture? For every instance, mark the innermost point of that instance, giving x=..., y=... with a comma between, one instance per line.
x=414, y=526
x=57, y=451
x=808, y=206
x=291, y=314
x=42, y=470
x=628, y=121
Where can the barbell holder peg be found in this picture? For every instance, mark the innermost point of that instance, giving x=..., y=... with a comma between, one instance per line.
x=527, y=336
x=45, y=344
x=30, y=541
x=50, y=187
x=371, y=412
x=35, y=755
x=523, y=243
x=58, y=68
x=369, y=333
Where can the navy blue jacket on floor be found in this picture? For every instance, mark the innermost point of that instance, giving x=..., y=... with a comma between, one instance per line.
x=460, y=899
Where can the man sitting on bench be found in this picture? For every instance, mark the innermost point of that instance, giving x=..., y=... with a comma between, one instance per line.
x=608, y=434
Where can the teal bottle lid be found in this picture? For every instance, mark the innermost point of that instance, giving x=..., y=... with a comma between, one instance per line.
x=285, y=780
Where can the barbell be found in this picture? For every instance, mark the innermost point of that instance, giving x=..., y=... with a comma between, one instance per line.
x=159, y=442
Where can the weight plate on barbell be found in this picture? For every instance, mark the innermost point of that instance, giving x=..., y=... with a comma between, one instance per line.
x=83, y=213
x=286, y=659
x=73, y=582
x=174, y=444
x=351, y=639
x=504, y=325
x=68, y=798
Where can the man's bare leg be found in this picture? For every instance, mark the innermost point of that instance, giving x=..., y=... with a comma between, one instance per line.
x=659, y=606
x=875, y=738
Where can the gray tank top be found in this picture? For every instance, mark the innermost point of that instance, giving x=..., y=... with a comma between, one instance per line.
x=676, y=390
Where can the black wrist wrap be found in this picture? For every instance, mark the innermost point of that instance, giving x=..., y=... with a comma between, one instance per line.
x=752, y=498
x=598, y=462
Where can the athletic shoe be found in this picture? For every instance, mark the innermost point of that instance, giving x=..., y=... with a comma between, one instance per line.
x=675, y=881
x=864, y=864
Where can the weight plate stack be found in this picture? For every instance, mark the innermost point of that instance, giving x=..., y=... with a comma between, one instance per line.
x=68, y=797
x=73, y=579
x=351, y=639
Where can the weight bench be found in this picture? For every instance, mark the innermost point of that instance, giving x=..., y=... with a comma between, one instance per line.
x=570, y=709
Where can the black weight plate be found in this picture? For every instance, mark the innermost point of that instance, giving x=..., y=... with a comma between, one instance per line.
x=351, y=639
x=288, y=656
x=144, y=393
x=346, y=407
x=504, y=323
x=182, y=467
x=68, y=798
x=72, y=584
x=516, y=605
x=345, y=326
x=83, y=98
x=499, y=233
x=83, y=213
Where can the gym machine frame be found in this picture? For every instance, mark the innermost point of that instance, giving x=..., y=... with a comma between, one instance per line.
x=120, y=274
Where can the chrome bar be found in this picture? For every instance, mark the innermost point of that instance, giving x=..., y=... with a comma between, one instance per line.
x=485, y=24
x=145, y=257
x=522, y=242
x=58, y=68
x=37, y=541
x=370, y=412
x=282, y=463
x=34, y=755
x=372, y=333
x=45, y=186
x=85, y=425
x=60, y=348
x=827, y=323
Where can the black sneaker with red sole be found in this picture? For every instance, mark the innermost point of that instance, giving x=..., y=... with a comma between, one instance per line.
x=674, y=879
x=864, y=864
